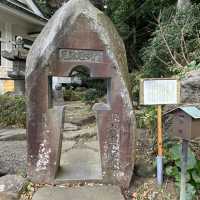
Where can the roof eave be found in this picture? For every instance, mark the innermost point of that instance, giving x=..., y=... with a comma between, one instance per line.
x=25, y=15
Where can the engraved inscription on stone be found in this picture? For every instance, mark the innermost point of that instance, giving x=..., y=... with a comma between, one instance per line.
x=77, y=55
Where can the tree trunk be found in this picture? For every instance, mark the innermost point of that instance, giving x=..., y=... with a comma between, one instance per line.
x=183, y=4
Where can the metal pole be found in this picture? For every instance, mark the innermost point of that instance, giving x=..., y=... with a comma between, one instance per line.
x=184, y=157
x=160, y=146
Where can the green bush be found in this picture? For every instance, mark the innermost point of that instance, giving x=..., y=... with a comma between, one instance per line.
x=175, y=42
x=146, y=118
x=12, y=111
x=173, y=168
x=91, y=95
x=71, y=95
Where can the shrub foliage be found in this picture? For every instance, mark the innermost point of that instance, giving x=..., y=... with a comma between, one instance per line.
x=12, y=111
x=175, y=42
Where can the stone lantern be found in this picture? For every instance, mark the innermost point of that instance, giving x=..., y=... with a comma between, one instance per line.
x=18, y=57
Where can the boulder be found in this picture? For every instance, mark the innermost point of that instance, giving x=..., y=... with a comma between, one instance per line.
x=190, y=95
x=12, y=183
x=190, y=88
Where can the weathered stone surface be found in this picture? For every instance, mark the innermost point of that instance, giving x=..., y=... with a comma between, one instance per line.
x=71, y=127
x=12, y=183
x=78, y=27
x=85, y=132
x=80, y=121
x=12, y=134
x=93, y=145
x=190, y=95
x=190, y=88
x=67, y=145
x=80, y=164
x=8, y=196
x=13, y=157
x=82, y=193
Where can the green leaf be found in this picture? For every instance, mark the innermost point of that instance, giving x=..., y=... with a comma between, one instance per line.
x=190, y=192
x=192, y=161
x=195, y=176
x=178, y=177
x=175, y=152
x=192, y=64
x=172, y=171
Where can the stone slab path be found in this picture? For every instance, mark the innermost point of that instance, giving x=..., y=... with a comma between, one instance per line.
x=80, y=157
x=80, y=193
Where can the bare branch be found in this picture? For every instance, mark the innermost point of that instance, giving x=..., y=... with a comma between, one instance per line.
x=168, y=48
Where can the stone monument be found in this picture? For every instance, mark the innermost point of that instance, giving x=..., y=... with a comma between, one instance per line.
x=18, y=56
x=79, y=35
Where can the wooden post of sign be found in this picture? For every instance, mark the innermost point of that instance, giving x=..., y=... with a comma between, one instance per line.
x=160, y=136
x=160, y=146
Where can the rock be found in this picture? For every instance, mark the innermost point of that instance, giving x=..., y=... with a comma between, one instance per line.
x=190, y=88
x=13, y=157
x=8, y=196
x=12, y=183
x=81, y=193
x=81, y=117
x=79, y=120
x=12, y=134
x=190, y=95
x=71, y=127
x=144, y=169
x=85, y=132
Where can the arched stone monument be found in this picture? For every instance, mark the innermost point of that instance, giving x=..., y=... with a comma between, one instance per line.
x=79, y=34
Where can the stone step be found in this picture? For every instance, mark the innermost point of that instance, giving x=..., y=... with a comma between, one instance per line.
x=71, y=127
x=80, y=193
x=80, y=164
x=85, y=132
x=80, y=120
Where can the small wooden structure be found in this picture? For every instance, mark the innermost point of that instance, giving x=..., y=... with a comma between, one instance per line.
x=186, y=122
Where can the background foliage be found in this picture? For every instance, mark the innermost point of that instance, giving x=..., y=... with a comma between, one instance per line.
x=12, y=111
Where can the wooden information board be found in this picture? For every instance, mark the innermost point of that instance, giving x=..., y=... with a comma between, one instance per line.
x=159, y=91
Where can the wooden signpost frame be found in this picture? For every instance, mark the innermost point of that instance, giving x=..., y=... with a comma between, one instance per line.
x=159, y=121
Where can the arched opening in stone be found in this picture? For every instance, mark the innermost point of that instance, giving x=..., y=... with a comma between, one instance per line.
x=80, y=157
